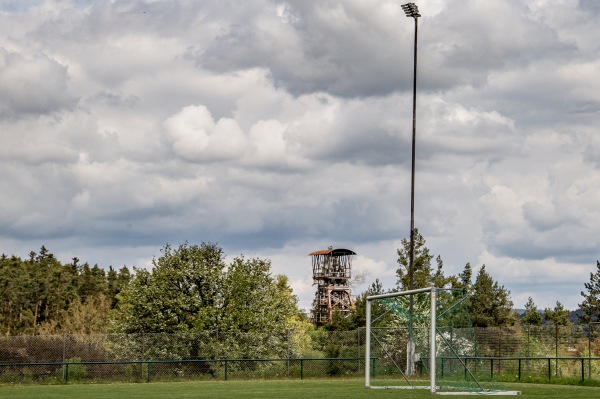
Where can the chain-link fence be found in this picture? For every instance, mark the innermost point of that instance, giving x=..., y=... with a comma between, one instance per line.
x=516, y=351
x=539, y=341
x=207, y=355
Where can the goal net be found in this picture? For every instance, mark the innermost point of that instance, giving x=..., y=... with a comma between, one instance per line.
x=423, y=339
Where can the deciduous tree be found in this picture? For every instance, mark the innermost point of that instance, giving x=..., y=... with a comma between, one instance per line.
x=191, y=288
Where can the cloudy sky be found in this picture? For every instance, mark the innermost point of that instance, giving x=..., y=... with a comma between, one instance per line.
x=277, y=128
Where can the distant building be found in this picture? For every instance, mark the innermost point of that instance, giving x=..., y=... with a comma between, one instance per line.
x=332, y=270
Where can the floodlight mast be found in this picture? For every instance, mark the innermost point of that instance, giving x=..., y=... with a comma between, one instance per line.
x=411, y=10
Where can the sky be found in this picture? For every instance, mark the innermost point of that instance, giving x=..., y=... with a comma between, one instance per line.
x=278, y=128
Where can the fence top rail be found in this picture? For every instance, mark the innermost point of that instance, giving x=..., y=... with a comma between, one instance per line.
x=189, y=361
x=522, y=358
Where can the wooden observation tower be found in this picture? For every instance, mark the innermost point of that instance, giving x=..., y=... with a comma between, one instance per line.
x=331, y=275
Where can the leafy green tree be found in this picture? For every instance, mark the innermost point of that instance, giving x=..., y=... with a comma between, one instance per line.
x=191, y=289
x=532, y=316
x=340, y=322
x=360, y=305
x=490, y=303
x=591, y=299
x=559, y=316
x=182, y=292
x=253, y=300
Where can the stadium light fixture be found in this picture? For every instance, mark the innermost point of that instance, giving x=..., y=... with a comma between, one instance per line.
x=411, y=10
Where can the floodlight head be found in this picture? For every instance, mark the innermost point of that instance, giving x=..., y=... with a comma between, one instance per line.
x=411, y=10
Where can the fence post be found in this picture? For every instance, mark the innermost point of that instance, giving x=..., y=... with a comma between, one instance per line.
x=67, y=373
x=582, y=370
x=499, y=341
x=528, y=345
x=301, y=369
x=226, y=369
x=590, y=328
x=549, y=370
x=519, y=369
x=373, y=368
x=358, y=347
x=289, y=354
x=528, y=341
x=142, y=356
x=64, y=352
x=556, y=350
x=148, y=372
x=216, y=344
x=442, y=368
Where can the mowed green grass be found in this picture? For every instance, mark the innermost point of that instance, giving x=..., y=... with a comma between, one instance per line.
x=307, y=389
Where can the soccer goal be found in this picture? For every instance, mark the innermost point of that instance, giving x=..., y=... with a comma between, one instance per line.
x=423, y=339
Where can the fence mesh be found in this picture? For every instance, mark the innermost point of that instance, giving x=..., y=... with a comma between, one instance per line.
x=513, y=353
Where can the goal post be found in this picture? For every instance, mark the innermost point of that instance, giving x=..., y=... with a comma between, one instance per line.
x=370, y=299
x=428, y=329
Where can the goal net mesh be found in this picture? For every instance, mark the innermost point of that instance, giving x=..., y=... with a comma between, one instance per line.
x=401, y=344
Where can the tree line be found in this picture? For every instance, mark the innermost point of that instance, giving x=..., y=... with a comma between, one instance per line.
x=192, y=288
x=489, y=302
x=40, y=295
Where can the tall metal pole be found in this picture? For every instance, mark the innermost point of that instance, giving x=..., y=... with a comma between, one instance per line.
x=411, y=11
x=412, y=181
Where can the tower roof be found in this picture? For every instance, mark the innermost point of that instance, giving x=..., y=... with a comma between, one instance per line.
x=333, y=252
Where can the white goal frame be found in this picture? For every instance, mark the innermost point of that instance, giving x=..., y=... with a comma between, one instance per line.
x=433, y=291
x=432, y=348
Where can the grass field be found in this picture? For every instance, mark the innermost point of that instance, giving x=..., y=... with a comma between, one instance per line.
x=311, y=389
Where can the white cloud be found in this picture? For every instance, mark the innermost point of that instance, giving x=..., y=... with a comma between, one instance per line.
x=196, y=137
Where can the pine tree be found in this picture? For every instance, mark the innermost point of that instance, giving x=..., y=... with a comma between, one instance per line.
x=360, y=314
x=422, y=276
x=591, y=300
x=531, y=317
x=559, y=316
x=465, y=277
x=490, y=303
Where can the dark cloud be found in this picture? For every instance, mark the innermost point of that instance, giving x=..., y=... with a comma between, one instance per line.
x=590, y=6
x=317, y=47
x=469, y=42
x=32, y=86
x=565, y=251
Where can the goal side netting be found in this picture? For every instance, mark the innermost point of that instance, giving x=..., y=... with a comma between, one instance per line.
x=423, y=339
